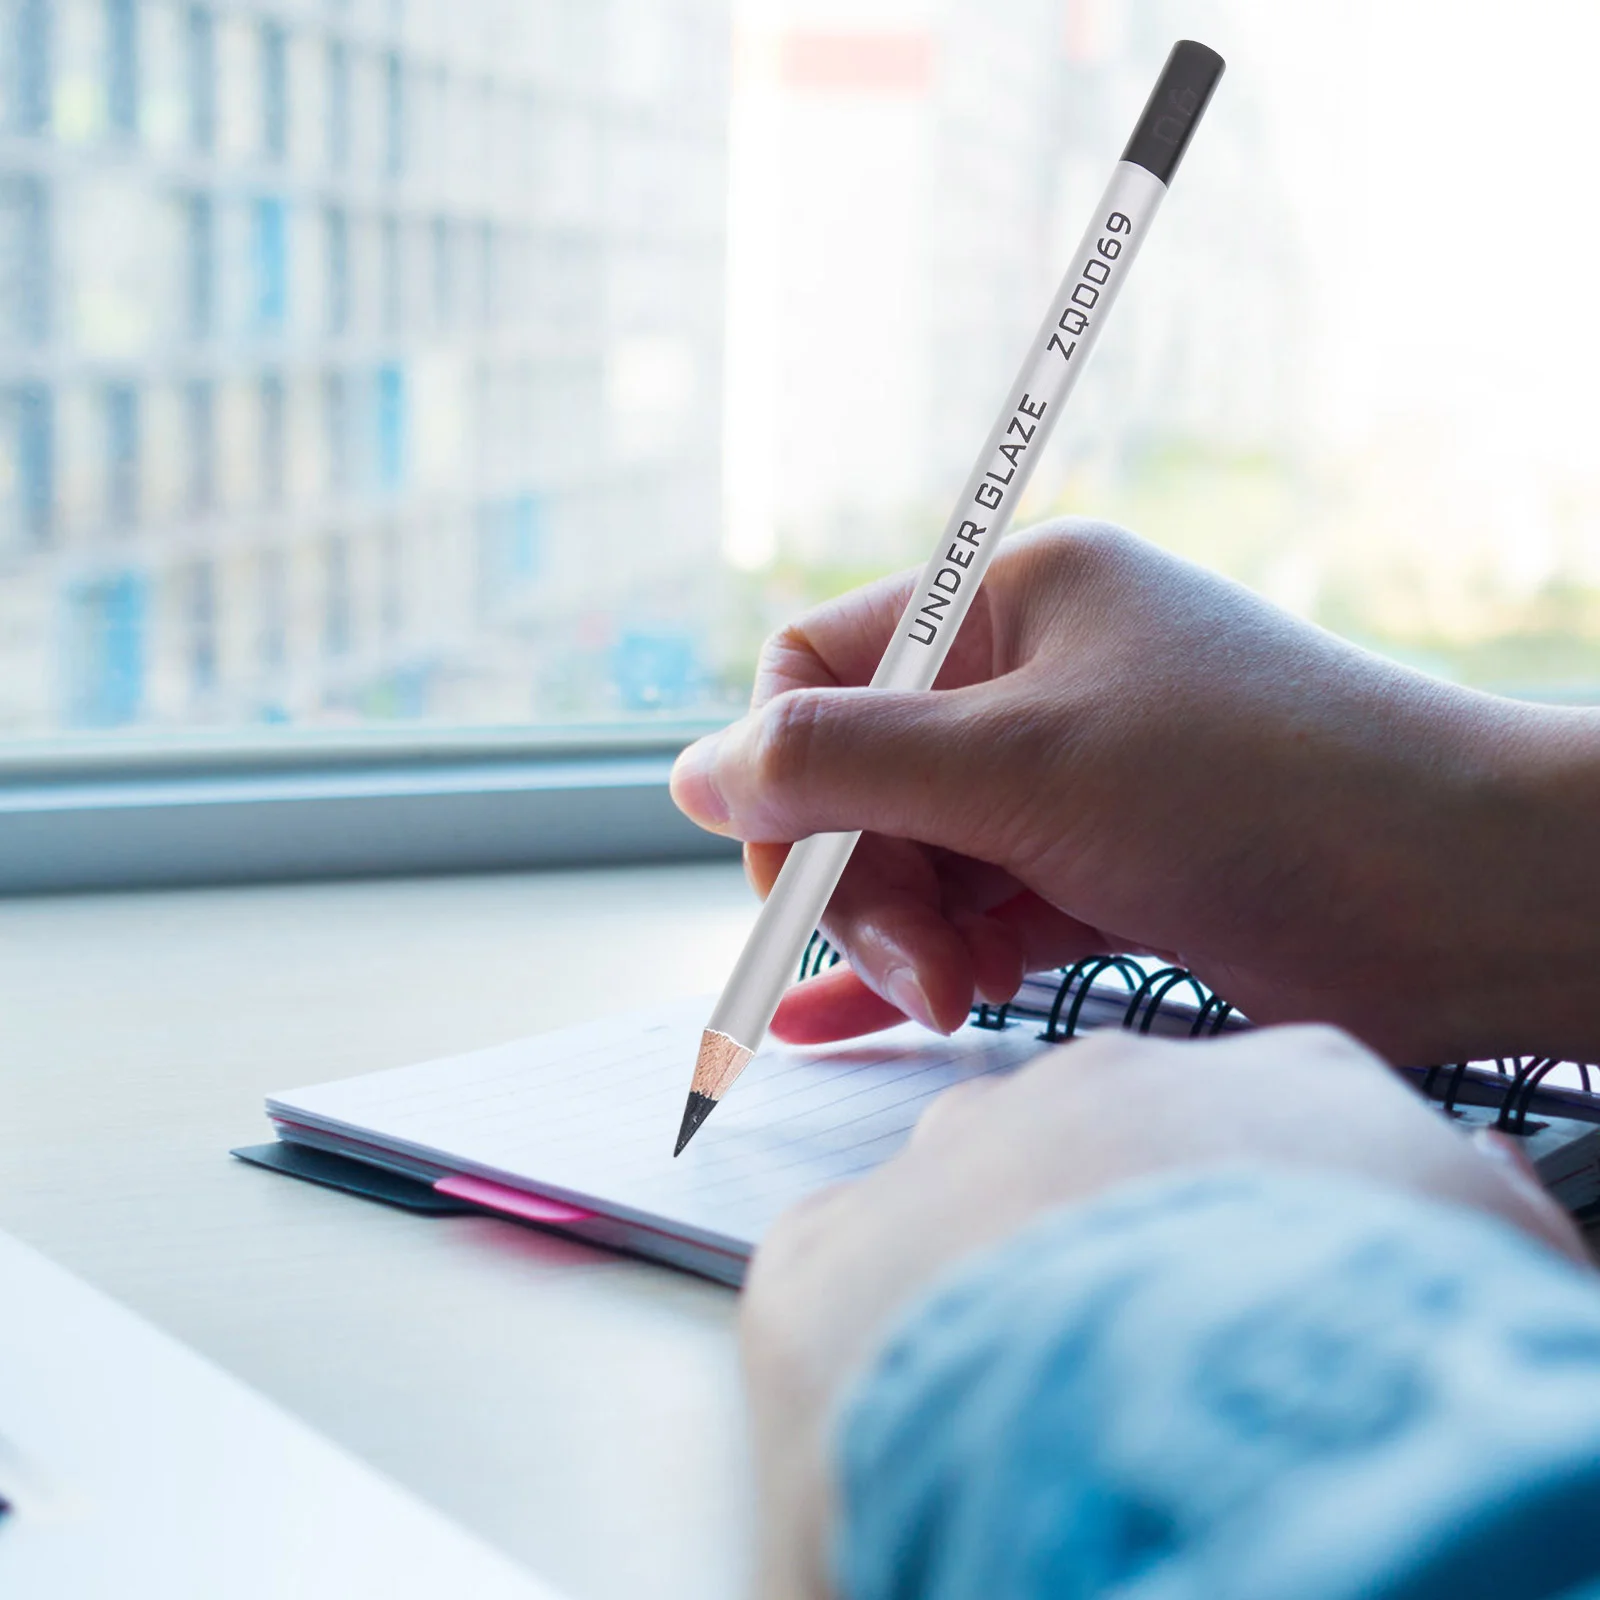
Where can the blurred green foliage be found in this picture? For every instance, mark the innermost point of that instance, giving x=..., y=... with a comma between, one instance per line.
x=1256, y=517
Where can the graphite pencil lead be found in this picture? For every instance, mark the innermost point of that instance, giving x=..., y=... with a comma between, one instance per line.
x=700, y=1107
x=720, y=1061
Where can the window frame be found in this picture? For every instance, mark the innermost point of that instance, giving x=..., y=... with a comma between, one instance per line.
x=113, y=813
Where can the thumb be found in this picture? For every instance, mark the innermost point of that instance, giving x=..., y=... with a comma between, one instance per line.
x=940, y=768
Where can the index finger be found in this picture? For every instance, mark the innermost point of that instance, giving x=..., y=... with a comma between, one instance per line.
x=839, y=643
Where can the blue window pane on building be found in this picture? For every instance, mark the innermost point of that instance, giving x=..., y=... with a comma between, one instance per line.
x=336, y=619
x=391, y=453
x=105, y=650
x=336, y=430
x=202, y=253
x=25, y=259
x=394, y=116
x=274, y=90
x=122, y=454
x=30, y=65
x=273, y=588
x=510, y=547
x=122, y=65
x=272, y=263
x=392, y=287
x=273, y=439
x=408, y=689
x=338, y=104
x=526, y=542
x=202, y=608
x=337, y=231
x=36, y=470
x=654, y=670
x=200, y=48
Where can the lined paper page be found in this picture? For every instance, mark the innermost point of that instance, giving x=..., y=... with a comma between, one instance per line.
x=589, y=1114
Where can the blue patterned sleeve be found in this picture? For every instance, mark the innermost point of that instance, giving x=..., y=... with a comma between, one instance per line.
x=1255, y=1385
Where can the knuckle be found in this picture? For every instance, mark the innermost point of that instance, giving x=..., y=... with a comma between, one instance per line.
x=1080, y=547
x=786, y=653
x=1104, y=554
x=1085, y=580
x=784, y=740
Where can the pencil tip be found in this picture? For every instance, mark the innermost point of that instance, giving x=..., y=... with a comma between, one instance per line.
x=700, y=1107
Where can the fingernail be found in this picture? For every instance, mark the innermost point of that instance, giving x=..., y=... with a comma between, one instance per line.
x=905, y=992
x=694, y=785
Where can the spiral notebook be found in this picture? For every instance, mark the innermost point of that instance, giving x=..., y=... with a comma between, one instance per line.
x=573, y=1130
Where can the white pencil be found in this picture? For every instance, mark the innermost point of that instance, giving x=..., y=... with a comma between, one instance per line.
x=954, y=571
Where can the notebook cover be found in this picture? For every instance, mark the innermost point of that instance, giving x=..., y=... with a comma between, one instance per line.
x=353, y=1177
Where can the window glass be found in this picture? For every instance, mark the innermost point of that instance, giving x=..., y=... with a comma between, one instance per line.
x=527, y=361
x=1353, y=368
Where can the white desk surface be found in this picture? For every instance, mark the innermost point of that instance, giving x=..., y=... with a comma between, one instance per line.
x=578, y=1410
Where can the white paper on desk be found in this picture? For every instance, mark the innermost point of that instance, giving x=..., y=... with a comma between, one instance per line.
x=589, y=1115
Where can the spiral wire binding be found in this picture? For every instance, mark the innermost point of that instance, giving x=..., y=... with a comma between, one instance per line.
x=1149, y=992
x=1082, y=975
x=1146, y=994
x=1458, y=1076
x=818, y=954
x=1513, y=1116
x=1147, y=1000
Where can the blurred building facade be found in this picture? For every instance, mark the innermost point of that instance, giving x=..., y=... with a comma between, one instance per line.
x=890, y=190
x=358, y=357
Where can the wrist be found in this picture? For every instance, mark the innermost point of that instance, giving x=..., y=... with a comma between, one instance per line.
x=1535, y=881
x=1560, y=855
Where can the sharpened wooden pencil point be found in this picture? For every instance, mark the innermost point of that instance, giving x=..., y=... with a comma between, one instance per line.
x=700, y=1107
x=720, y=1061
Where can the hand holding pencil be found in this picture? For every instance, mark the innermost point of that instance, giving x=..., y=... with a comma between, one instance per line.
x=950, y=580
x=1128, y=752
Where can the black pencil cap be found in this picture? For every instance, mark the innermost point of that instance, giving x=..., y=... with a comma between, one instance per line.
x=1169, y=119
